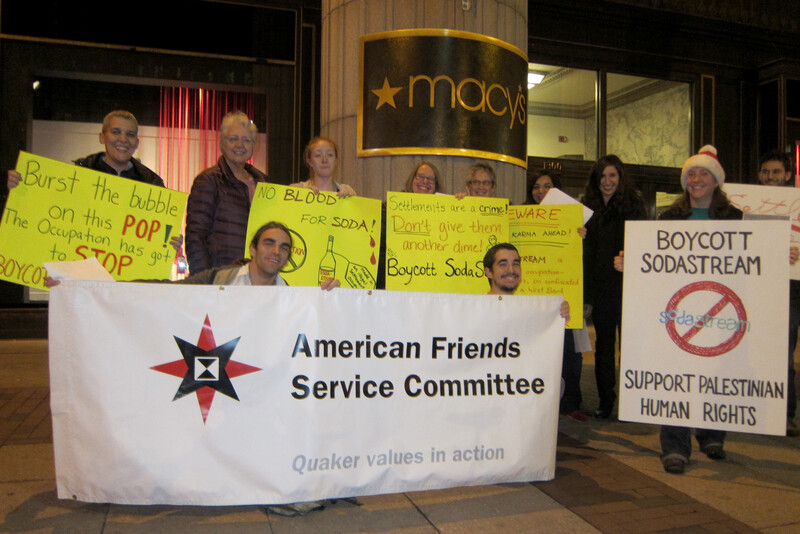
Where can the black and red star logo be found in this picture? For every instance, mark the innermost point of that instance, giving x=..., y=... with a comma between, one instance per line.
x=206, y=368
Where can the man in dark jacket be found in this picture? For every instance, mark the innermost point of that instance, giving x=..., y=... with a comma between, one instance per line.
x=120, y=135
x=775, y=168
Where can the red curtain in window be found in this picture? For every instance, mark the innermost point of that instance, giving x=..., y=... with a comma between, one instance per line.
x=188, y=133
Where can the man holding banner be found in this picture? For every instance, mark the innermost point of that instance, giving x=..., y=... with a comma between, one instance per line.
x=270, y=249
x=503, y=267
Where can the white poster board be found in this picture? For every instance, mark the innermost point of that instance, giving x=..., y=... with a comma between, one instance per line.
x=168, y=394
x=770, y=201
x=705, y=315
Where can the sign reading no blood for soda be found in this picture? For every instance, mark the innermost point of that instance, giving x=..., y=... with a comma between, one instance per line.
x=331, y=236
x=705, y=308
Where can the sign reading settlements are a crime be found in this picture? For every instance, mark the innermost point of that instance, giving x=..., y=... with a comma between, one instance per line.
x=705, y=309
x=331, y=236
x=63, y=212
x=770, y=201
x=437, y=242
x=551, y=252
x=445, y=92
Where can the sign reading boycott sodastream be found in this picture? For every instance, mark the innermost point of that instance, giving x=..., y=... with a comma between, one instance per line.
x=62, y=212
x=705, y=309
x=437, y=243
x=332, y=237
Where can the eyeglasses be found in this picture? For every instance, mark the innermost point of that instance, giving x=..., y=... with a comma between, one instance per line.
x=484, y=183
x=235, y=139
x=423, y=178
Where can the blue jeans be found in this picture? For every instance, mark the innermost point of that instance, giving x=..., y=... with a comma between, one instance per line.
x=676, y=441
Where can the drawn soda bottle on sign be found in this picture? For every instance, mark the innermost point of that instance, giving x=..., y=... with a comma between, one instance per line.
x=327, y=266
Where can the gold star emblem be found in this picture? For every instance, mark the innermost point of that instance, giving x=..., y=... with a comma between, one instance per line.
x=386, y=94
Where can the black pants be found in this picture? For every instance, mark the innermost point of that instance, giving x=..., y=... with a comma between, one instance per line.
x=571, y=373
x=794, y=324
x=607, y=318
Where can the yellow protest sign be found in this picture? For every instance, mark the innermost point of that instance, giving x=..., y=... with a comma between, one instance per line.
x=62, y=212
x=437, y=242
x=331, y=236
x=551, y=251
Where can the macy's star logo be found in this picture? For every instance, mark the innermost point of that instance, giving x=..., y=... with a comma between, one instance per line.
x=386, y=94
x=206, y=368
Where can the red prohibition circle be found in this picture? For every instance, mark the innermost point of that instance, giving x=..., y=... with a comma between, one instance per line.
x=728, y=297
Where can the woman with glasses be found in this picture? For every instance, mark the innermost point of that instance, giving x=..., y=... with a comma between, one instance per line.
x=220, y=198
x=423, y=179
x=481, y=180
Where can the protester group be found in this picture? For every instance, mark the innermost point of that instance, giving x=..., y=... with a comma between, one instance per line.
x=217, y=221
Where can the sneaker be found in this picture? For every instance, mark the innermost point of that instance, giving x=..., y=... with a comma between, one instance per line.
x=674, y=465
x=295, y=509
x=715, y=452
x=791, y=428
x=578, y=415
x=602, y=414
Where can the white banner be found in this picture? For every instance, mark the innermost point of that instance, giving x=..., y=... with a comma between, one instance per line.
x=294, y=394
x=705, y=312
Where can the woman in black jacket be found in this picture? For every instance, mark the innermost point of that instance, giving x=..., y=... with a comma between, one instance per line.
x=614, y=200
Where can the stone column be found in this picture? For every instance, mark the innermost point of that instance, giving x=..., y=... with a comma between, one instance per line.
x=344, y=22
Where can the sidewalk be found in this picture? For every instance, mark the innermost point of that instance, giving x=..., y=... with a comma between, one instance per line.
x=608, y=479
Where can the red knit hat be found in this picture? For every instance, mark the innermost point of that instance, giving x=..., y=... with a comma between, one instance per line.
x=706, y=158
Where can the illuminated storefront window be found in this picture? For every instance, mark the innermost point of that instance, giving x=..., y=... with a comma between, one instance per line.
x=561, y=113
x=647, y=120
